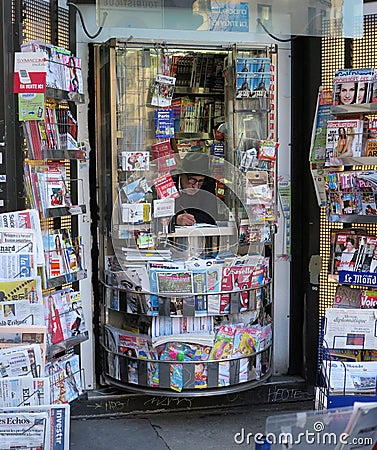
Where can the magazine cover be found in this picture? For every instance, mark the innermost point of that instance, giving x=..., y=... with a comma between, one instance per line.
x=371, y=142
x=170, y=282
x=199, y=278
x=344, y=138
x=73, y=316
x=65, y=379
x=319, y=132
x=54, y=315
x=53, y=189
x=253, y=84
x=165, y=186
x=72, y=74
x=164, y=123
x=135, y=161
x=164, y=155
x=71, y=367
x=366, y=182
x=346, y=297
x=367, y=255
x=245, y=65
x=163, y=90
x=54, y=242
x=136, y=213
x=368, y=299
x=213, y=285
x=345, y=247
x=226, y=285
x=200, y=376
x=352, y=86
x=136, y=190
x=74, y=254
x=242, y=280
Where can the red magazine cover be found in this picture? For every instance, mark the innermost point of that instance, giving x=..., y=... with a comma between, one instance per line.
x=164, y=155
x=242, y=279
x=226, y=285
x=165, y=186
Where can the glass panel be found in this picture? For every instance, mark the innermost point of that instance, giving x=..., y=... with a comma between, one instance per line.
x=335, y=18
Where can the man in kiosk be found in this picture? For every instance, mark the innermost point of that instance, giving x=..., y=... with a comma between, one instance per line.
x=197, y=203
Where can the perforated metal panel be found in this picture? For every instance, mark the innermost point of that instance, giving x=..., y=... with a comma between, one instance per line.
x=37, y=22
x=363, y=54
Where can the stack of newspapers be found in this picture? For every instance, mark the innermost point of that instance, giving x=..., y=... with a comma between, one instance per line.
x=26, y=415
x=30, y=416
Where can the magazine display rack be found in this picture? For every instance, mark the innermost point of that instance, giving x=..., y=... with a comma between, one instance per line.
x=52, y=154
x=348, y=348
x=186, y=308
x=343, y=377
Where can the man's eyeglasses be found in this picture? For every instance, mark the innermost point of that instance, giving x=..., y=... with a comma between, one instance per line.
x=193, y=181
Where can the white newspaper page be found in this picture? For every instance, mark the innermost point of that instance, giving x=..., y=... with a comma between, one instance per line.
x=21, y=361
x=57, y=430
x=351, y=377
x=25, y=429
x=350, y=328
x=24, y=391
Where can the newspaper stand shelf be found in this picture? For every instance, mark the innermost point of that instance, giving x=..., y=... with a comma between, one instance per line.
x=113, y=359
x=52, y=155
x=326, y=397
x=343, y=373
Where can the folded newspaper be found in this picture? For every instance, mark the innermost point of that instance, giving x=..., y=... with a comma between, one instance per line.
x=49, y=427
x=21, y=361
x=343, y=377
x=24, y=391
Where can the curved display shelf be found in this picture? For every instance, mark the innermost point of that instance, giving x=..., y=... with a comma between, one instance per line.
x=134, y=302
x=124, y=364
x=185, y=294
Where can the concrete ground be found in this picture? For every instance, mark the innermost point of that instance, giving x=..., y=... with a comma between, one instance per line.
x=214, y=428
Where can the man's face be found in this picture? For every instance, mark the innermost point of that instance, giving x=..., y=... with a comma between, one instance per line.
x=191, y=183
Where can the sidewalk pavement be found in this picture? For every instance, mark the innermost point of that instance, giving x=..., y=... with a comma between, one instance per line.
x=189, y=430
